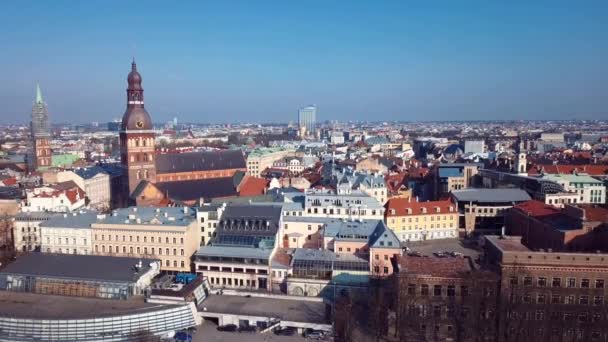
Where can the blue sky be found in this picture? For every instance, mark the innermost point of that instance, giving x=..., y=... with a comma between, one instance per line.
x=228, y=61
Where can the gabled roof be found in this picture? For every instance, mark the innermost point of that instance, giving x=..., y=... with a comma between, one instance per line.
x=200, y=161
x=189, y=190
x=400, y=206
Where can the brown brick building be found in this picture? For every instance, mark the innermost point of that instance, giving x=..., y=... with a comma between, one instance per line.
x=548, y=296
x=572, y=228
x=445, y=299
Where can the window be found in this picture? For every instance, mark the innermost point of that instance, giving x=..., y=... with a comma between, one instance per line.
x=464, y=291
x=411, y=289
x=376, y=269
x=583, y=300
x=598, y=300
x=540, y=315
x=181, y=240
x=451, y=290
x=599, y=283
x=527, y=281
x=556, y=282
x=167, y=263
x=540, y=299
x=174, y=251
x=513, y=281
x=585, y=283
x=556, y=299
x=424, y=290
x=386, y=257
x=437, y=290
x=542, y=282
x=526, y=299
x=182, y=252
x=182, y=264
x=571, y=282
x=385, y=270
x=569, y=299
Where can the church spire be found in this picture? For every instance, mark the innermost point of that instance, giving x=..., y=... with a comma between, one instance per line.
x=38, y=94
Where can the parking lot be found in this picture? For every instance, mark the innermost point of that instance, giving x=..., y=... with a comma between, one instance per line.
x=207, y=332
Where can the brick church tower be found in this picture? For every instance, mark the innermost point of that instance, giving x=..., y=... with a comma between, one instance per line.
x=136, y=138
x=41, y=133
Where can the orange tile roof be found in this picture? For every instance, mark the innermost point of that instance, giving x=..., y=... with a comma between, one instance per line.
x=451, y=267
x=537, y=208
x=400, y=207
x=253, y=186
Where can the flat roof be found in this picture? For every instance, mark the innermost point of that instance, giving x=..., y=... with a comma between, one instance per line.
x=40, y=306
x=508, y=244
x=448, y=267
x=170, y=216
x=74, y=266
x=283, y=309
x=491, y=195
x=234, y=252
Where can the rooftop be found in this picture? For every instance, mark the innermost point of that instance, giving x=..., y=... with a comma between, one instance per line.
x=199, y=161
x=234, y=252
x=80, y=219
x=573, y=178
x=450, y=267
x=31, y=305
x=171, y=216
x=491, y=195
x=283, y=309
x=74, y=266
x=400, y=207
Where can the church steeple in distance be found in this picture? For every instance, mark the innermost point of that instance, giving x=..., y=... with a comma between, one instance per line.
x=41, y=132
x=135, y=117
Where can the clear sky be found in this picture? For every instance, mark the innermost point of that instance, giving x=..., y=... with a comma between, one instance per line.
x=229, y=61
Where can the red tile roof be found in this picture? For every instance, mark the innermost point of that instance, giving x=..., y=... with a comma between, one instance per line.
x=400, y=207
x=595, y=213
x=591, y=169
x=253, y=186
x=451, y=267
x=537, y=208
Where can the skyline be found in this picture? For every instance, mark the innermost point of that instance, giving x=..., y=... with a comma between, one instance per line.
x=395, y=62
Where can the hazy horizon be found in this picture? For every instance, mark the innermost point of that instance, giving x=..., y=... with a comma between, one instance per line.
x=261, y=61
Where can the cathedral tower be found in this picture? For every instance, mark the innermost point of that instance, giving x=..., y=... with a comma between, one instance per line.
x=41, y=133
x=136, y=137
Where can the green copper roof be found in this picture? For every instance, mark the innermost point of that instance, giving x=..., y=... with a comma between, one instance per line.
x=38, y=94
x=63, y=160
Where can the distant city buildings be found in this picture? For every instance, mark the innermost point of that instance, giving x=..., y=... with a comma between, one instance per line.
x=307, y=118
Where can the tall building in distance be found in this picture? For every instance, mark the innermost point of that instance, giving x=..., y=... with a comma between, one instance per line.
x=41, y=133
x=307, y=117
x=136, y=136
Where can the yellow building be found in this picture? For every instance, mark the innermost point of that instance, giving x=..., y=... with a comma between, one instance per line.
x=169, y=234
x=419, y=221
x=261, y=159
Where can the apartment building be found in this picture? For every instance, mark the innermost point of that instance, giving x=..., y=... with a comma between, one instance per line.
x=589, y=189
x=68, y=233
x=240, y=253
x=549, y=295
x=169, y=234
x=26, y=229
x=95, y=182
x=261, y=159
x=420, y=221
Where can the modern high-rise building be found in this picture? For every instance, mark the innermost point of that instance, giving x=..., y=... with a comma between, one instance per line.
x=307, y=117
x=41, y=133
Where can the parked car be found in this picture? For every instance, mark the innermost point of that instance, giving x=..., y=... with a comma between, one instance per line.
x=248, y=329
x=228, y=327
x=456, y=254
x=414, y=253
x=285, y=331
x=314, y=334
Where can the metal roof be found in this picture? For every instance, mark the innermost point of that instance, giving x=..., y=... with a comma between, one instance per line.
x=234, y=252
x=73, y=266
x=491, y=195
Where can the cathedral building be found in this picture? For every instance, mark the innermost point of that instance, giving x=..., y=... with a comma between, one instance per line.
x=151, y=179
x=41, y=133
